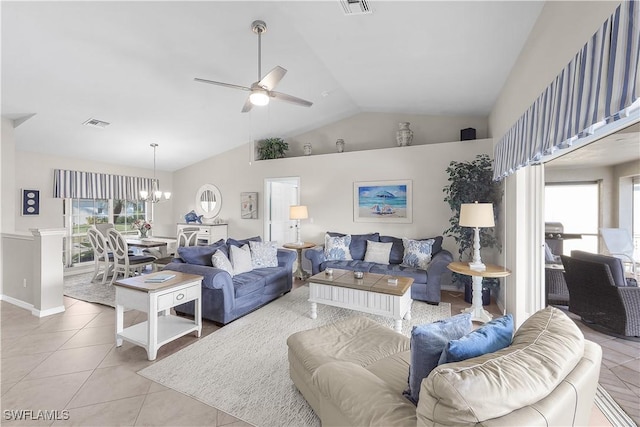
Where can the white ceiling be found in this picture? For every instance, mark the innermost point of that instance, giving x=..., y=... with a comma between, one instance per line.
x=132, y=64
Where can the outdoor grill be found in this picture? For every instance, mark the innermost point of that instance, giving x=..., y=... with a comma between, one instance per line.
x=554, y=236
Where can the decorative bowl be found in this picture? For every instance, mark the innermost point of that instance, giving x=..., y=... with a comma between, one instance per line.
x=358, y=274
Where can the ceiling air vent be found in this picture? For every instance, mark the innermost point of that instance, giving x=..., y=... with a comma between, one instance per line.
x=355, y=7
x=96, y=123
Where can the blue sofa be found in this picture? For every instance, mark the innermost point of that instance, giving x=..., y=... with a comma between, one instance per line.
x=426, y=283
x=225, y=298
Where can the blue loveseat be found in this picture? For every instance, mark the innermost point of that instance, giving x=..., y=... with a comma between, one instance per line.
x=426, y=283
x=225, y=298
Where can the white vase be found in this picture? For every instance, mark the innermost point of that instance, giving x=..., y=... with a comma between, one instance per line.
x=404, y=135
x=307, y=149
x=340, y=145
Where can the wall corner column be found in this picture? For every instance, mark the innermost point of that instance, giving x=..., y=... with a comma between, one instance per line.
x=48, y=271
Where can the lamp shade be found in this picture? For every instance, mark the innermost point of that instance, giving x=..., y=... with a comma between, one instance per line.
x=298, y=212
x=476, y=215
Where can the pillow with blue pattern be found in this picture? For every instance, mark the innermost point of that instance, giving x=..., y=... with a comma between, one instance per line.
x=337, y=248
x=417, y=253
x=263, y=254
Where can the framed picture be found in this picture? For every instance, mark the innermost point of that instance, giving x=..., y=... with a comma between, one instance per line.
x=30, y=202
x=382, y=201
x=249, y=205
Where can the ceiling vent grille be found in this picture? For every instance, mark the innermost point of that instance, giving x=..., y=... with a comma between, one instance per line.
x=96, y=123
x=355, y=7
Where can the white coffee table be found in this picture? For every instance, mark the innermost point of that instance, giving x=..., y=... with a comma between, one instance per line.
x=154, y=298
x=371, y=294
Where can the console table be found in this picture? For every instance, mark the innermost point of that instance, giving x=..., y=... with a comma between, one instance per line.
x=207, y=233
x=478, y=314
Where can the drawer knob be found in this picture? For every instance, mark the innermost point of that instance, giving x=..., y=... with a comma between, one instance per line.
x=179, y=297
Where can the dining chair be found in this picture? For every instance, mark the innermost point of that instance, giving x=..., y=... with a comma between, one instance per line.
x=102, y=257
x=123, y=261
x=188, y=236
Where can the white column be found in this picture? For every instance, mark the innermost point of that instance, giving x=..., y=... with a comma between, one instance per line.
x=48, y=272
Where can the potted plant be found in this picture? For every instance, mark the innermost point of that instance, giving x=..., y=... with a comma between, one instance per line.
x=471, y=182
x=272, y=148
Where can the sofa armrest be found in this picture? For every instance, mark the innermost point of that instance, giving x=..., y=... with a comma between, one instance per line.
x=286, y=258
x=213, y=278
x=316, y=256
x=438, y=266
x=352, y=395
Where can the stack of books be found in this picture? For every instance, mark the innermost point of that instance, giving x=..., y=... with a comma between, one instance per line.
x=159, y=278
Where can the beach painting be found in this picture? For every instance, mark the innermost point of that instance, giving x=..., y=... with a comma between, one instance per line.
x=382, y=201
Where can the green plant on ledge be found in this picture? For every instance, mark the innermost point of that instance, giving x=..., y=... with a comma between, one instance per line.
x=471, y=182
x=272, y=148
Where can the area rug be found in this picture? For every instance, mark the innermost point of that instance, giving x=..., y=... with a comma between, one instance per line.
x=80, y=286
x=242, y=368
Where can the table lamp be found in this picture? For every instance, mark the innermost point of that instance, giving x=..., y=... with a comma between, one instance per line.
x=298, y=212
x=476, y=215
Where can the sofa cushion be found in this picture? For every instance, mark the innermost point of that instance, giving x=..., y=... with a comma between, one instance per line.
x=201, y=255
x=615, y=264
x=358, y=245
x=242, y=242
x=417, y=253
x=418, y=276
x=337, y=247
x=240, y=259
x=548, y=344
x=248, y=283
x=220, y=260
x=263, y=254
x=427, y=343
x=378, y=252
x=397, y=250
x=492, y=336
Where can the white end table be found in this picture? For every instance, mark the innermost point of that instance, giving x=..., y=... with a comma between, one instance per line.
x=478, y=314
x=154, y=298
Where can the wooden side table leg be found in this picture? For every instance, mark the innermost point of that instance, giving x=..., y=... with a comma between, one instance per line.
x=314, y=310
x=152, y=328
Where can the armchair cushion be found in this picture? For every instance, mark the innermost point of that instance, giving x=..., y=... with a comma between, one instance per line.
x=615, y=264
x=427, y=343
x=490, y=337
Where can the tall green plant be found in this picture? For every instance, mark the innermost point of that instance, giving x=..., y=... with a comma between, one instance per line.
x=471, y=182
x=272, y=148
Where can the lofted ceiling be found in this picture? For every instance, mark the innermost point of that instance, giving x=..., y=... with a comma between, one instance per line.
x=132, y=64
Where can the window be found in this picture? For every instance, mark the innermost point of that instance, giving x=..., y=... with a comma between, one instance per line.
x=636, y=215
x=80, y=214
x=576, y=206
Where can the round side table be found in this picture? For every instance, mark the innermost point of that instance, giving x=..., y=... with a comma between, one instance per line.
x=300, y=273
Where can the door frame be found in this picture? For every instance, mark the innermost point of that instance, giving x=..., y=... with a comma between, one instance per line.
x=267, y=201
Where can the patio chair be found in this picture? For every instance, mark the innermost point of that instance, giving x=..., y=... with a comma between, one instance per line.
x=123, y=261
x=600, y=294
x=620, y=245
x=102, y=257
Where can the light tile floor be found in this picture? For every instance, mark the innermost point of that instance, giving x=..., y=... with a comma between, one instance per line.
x=69, y=362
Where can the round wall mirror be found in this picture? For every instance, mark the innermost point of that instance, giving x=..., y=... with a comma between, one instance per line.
x=208, y=201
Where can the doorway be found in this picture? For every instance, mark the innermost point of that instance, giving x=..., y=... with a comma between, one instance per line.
x=280, y=193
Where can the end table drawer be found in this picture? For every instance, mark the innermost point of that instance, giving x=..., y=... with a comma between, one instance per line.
x=178, y=297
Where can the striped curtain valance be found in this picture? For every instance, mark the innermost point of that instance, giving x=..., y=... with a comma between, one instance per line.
x=599, y=86
x=92, y=185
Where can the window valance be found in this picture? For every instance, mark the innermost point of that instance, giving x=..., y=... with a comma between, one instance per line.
x=600, y=85
x=92, y=185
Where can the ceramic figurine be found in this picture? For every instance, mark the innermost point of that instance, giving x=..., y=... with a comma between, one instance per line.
x=193, y=217
x=404, y=135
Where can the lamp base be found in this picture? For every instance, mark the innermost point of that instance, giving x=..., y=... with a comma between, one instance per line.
x=477, y=266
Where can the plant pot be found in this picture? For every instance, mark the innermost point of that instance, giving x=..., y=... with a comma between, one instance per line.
x=468, y=294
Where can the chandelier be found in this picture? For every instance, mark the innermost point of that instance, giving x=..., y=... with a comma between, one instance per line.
x=156, y=195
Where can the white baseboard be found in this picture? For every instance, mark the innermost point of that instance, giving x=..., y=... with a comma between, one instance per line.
x=31, y=308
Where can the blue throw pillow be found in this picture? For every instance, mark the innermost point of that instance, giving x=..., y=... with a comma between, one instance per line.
x=490, y=337
x=358, y=244
x=427, y=343
x=241, y=243
x=201, y=255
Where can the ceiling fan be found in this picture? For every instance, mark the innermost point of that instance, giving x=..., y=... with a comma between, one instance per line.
x=262, y=90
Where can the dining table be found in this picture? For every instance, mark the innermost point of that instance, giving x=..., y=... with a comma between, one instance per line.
x=159, y=243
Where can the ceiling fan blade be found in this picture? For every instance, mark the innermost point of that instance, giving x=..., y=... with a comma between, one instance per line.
x=271, y=79
x=223, y=84
x=292, y=99
x=247, y=106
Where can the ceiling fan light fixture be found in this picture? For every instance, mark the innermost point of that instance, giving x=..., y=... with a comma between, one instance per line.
x=259, y=97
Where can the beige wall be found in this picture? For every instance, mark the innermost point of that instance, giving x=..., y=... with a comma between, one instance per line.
x=327, y=186
x=35, y=170
x=367, y=131
x=7, y=174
